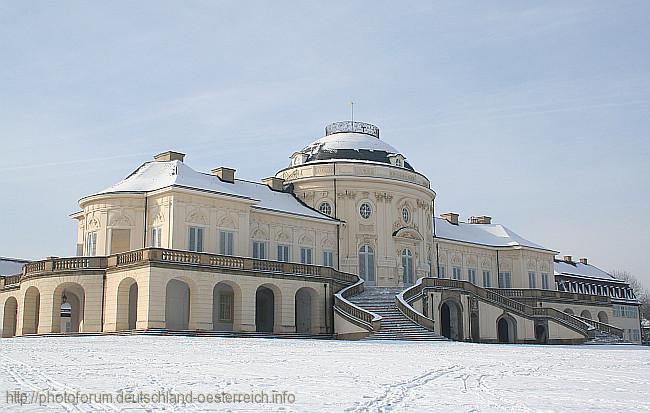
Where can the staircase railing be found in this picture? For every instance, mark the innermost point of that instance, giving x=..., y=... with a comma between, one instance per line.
x=605, y=328
x=403, y=302
x=512, y=305
x=355, y=314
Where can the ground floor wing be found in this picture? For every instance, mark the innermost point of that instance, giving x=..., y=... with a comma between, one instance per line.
x=164, y=298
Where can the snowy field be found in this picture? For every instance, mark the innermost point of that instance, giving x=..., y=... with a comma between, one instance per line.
x=321, y=375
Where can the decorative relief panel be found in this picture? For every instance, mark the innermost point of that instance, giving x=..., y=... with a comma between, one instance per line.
x=197, y=216
x=306, y=239
x=383, y=197
x=347, y=195
x=119, y=219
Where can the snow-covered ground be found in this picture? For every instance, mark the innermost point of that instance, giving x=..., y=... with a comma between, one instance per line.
x=323, y=375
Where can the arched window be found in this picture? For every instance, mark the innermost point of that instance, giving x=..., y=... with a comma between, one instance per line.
x=325, y=208
x=407, y=266
x=365, y=210
x=367, y=263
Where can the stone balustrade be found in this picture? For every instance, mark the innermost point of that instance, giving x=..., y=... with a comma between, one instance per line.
x=146, y=255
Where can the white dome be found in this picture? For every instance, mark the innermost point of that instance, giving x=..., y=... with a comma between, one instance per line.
x=356, y=141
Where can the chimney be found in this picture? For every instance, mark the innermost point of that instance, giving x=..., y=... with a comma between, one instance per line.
x=276, y=184
x=450, y=217
x=568, y=258
x=483, y=219
x=583, y=261
x=225, y=174
x=169, y=156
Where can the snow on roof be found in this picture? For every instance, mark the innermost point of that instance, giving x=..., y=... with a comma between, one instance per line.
x=493, y=235
x=11, y=266
x=350, y=140
x=344, y=146
x=155, y=175
x=578, y=269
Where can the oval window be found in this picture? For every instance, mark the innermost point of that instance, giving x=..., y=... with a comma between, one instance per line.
x=365, y=210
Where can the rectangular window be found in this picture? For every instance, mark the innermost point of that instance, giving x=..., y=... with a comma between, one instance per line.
x=306, y=255
x=283, y=253
x=156, y=237
x=471, y=275
x=225, y=307
x=259, y=250
x=226, y=243
x=545, y=281
x=505, y=279
x=91, y=244
x=532, y=279
x=487, y=280
x=456, y=273
x=441, y=271
x=328, y=259
x=195, y=241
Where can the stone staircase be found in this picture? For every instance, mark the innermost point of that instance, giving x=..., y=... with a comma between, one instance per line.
x=394, y=325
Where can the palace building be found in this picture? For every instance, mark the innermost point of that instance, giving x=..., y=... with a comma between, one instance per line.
x=343, y=243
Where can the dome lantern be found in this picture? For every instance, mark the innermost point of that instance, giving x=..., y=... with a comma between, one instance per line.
x=351, y=126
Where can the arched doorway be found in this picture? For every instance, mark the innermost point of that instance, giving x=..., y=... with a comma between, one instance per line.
x=506, y=330
x=603, y=318
x=68, y=308
x=451, y=320
x=177, y=305
x=127, y=305
x=10, y=317
x=264, y=310
x=305, y=300
x=407, y=266
x=224, y=307
x=541, y=334
x=31, y=310
x=585, y=314
x=367, y=264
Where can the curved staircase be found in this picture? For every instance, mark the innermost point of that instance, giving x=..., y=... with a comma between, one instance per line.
x=394, y=324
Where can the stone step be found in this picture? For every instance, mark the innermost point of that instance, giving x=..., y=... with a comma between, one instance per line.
x=394, y=324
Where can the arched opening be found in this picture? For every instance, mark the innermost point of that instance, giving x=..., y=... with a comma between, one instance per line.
x=226, y=297
x=568, y=311
x=407, y=266
x=367, y=264
x=603, y=318
x=127, y=305
x=31, y=310
x=177, y=305
x=305, y=311
x=506, y=330
x=451, y=320
x=264, y=310
x=68, y=308
x=541, y=334
x=10, y=317
x=585, y=314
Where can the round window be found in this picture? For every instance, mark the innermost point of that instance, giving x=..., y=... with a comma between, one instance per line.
x=325, y=208
x=406, y=215
x=365, y=210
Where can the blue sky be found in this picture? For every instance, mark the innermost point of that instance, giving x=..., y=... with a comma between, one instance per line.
x=536, y=113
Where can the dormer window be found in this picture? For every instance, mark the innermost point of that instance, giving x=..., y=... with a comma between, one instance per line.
x=298, y=158
x=396, y=160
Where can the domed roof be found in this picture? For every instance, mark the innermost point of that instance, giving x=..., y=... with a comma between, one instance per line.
x=355, y=141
